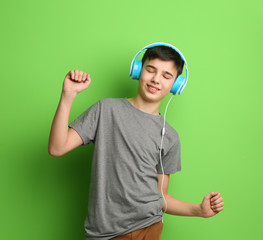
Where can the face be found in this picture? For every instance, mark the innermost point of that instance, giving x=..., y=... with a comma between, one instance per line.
x=156, y=80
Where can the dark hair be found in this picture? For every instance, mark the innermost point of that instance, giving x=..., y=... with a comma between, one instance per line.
x=166, y=54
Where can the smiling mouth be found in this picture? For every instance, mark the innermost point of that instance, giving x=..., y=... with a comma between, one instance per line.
x=153, y=88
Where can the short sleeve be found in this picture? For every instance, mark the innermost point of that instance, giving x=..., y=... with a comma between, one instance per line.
x=86, y=123
x=171, y=161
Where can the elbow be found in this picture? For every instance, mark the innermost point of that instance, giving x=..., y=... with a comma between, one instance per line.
x=53, y=152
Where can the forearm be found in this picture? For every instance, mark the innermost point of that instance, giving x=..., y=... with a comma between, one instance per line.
x=180, y=208
x=59, y=129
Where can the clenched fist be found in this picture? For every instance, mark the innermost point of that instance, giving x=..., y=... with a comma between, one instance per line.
x=212, y=204
x=76, y=81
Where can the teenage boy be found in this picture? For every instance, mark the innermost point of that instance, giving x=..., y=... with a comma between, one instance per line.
x=125, y=199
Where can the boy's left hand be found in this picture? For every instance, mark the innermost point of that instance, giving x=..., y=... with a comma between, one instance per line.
x=211, y=205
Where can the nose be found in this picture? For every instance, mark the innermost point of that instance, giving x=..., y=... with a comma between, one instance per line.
x=155, y=79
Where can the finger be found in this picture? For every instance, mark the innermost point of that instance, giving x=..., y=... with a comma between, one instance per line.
x=216, y=196
x=76, y=74
x=88, y=78
x=210, y=195
x=87, y=82
x=218, y=209
x=219, y=200
x=84, y=77
x=80, y=76
x=216, y=201
x=72, y=74
x=221, y=204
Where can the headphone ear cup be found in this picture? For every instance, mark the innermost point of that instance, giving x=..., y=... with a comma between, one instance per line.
x=137, y=68
x=178, y=83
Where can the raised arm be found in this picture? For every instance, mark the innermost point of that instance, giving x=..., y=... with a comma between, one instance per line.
x=62, y=139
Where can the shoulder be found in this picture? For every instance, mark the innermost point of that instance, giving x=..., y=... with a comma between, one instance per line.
x=111, y=102
x=110, y=105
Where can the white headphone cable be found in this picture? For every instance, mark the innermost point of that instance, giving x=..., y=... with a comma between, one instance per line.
x=163, y=132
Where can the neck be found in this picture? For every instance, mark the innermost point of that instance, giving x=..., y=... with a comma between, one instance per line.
x=145, y=106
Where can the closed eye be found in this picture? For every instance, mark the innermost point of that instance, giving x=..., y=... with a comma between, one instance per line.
x=150, y=70
x=166, y=77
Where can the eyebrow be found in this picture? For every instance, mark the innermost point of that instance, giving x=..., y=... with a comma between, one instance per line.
x=156, y=68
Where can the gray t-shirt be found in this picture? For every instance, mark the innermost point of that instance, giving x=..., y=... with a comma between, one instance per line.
x=124, y=193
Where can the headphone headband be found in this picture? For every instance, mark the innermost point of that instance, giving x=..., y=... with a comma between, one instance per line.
x=168, y=45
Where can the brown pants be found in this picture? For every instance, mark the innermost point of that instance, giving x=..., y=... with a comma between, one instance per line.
x=152, y=232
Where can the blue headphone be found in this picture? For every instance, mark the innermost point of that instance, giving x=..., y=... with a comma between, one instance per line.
x=136, y=68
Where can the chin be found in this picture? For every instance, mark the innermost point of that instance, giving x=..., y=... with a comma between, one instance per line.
x=152, y=98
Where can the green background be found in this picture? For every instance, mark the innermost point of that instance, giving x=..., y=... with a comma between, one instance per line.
x=218, y=116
